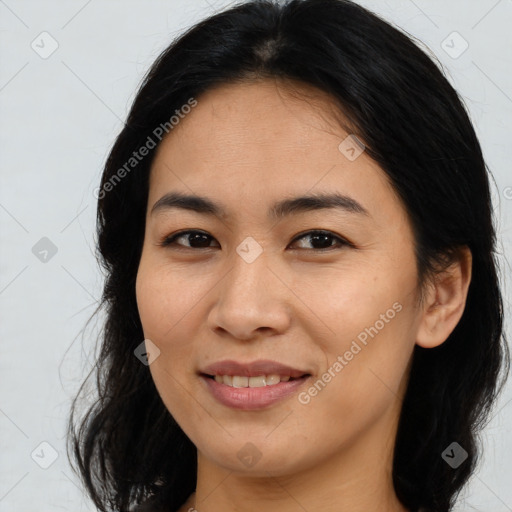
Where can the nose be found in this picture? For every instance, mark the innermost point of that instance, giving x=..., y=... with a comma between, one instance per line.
x=252, y=300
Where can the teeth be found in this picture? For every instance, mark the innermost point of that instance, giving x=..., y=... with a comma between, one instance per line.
x=237, y=381
x=240, y=382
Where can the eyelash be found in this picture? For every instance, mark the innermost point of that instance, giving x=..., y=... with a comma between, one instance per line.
x=169, y=240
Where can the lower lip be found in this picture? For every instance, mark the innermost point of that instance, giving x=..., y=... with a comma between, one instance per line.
x=252, y=398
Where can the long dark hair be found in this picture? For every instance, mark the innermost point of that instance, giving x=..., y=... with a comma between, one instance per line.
x=127, y=447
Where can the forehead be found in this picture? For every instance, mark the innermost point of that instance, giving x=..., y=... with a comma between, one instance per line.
x=252, y=143
x=261, y=119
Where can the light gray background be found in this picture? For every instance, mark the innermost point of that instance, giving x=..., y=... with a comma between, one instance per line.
x=59, y=117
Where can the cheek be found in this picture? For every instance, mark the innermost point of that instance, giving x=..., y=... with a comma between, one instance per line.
x=362, y=383
x=371, y=316
x=164, y=319
x=165, y=298
x=349, y=300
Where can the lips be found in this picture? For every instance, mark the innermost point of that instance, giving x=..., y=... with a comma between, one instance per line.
x=255, y=385
x=253, y=369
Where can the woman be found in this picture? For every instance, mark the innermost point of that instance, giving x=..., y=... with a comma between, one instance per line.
x=303, y=310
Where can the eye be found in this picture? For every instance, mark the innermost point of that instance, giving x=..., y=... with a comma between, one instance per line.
x=196, y=239
x=321, y=239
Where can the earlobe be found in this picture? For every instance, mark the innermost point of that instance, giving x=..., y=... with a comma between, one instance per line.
x=445, y=300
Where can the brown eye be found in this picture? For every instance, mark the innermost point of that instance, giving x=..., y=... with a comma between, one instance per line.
x=193, y=240
x=321, y=240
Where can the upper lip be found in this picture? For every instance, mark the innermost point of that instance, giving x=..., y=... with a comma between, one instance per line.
x=252, y=369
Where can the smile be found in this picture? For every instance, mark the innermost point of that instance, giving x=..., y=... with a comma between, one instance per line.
x=240, y=381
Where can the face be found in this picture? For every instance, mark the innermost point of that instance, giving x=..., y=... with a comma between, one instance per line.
x=312, y=303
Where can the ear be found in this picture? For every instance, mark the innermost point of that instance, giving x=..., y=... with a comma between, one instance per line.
x=445, y=300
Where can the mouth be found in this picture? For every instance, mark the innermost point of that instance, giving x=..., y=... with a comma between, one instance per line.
x=259, y=381
x=258, y=368
x=254, y=385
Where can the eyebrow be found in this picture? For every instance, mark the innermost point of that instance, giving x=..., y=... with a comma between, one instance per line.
x=280, y=209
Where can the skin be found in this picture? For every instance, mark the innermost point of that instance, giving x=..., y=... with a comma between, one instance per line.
x=246, y=146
